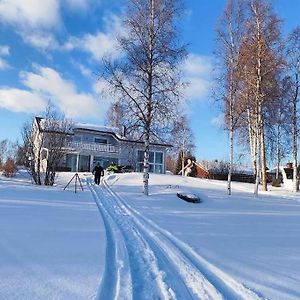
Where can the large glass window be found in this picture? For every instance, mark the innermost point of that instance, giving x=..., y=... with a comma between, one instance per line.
x=84, y=163
x=151, y=157
x=140, y=156
x=158, y=169
x=159, y=158
x=71, y=160
x=155, y=161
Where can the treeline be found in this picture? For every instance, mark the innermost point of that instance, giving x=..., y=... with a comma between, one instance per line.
x=258, y=82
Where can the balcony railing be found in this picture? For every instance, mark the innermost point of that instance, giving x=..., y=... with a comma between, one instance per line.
x=75, y=146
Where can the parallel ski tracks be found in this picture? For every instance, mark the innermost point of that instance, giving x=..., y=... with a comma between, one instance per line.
x=144, y=261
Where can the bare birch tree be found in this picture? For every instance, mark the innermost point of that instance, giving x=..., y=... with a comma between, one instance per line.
x=56, y=130
x=261, y=59
x=293, y=56
x=230, y=33
x=32, y=145
x=278, y=123
x=45, y=144
x=147, y=78
x=182, y=140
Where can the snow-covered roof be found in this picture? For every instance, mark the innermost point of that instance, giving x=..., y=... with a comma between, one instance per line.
x=54, y=125
x=96, y=127
x=76, y=125
x=100, y=128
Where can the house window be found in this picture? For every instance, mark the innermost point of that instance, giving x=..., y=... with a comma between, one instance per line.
x=77, y=138
x=155, y=161
x=100, y=141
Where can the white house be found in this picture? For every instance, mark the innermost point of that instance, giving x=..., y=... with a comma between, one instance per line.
x=89, y=144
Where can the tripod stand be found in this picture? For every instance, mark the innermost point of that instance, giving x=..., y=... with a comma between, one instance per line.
x=77, y=178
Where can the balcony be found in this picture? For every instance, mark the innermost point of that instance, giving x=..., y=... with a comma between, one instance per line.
x=76, y=146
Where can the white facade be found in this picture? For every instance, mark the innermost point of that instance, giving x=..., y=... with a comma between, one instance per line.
x=89, y=144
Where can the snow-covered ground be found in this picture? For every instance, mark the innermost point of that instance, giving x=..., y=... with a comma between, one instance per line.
x=53, y=243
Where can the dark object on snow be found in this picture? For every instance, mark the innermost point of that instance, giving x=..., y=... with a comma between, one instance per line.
x=119, y=169
x=276, y=182
x=189, y=197
x=98, y=172
x=77, y=178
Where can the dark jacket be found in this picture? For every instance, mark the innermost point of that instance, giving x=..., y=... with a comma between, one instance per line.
x=98, y=171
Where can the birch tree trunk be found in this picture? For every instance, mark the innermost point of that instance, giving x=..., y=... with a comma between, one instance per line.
x=263, y=158
x=295, y=140
x=182, y=163
x=278, y=152
x=230, y=157
x=252, y=140
x=257, y=179
x=146, y=165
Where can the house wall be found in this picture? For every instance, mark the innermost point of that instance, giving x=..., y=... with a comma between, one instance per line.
x=79, y=158
x=129, y=154
x=89, y=137
x=93, y=156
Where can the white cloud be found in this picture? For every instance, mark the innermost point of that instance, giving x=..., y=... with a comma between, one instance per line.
x=20, y=100
x=4, y=50
x=196, y=64
x=100, y=44
x=30, y=13
x=39, y=39
x=3, y=64
x=49, y=83
x=218, y=120
x=197, y=72
x=101, y=87
x=85, y=71
x=33, y=19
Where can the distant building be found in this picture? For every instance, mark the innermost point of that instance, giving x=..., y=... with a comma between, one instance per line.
x=285, y=175
x=219, y=171
x=89, y=144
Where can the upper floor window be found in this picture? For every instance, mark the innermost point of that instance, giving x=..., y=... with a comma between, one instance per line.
x=100, y=141
x=77, y=138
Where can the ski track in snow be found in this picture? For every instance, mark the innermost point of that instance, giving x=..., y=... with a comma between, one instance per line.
x=144, y=261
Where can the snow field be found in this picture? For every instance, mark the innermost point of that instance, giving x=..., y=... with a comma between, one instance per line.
x=241, y=244
x=165, y=255
x=52, y=242
x=112, y=242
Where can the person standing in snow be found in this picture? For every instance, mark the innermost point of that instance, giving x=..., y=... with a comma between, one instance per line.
x=98, y=172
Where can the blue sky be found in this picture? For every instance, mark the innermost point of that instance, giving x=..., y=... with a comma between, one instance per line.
x=52, y=49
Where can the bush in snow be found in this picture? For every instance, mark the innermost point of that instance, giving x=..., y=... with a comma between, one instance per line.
x=9, y=168
x=276, y=182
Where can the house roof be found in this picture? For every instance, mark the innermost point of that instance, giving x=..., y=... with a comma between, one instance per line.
x=94, y=127
x=103, y=129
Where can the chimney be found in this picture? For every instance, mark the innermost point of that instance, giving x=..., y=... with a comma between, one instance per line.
x=289, y=165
